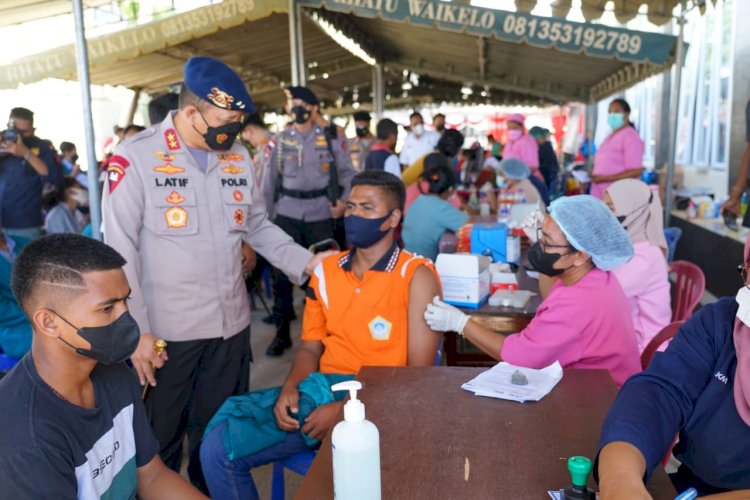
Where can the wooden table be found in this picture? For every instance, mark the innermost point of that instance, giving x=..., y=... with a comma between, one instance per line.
x=504, y=320
x=429, y=428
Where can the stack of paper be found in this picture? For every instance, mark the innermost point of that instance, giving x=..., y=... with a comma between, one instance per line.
x=496, y=382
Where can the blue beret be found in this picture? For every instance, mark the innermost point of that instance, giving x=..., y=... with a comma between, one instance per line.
x=215, y=82
x=304, y=94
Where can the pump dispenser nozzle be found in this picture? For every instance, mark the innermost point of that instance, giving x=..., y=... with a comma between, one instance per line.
x=354, y=409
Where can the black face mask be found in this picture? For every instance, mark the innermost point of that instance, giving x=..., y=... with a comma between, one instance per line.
x=110, y=344
x=440, y=128
x=544, y=262
x=220, y=138
x=361, y=131
x=74, y=158
x=362, y=232
x=301, y=114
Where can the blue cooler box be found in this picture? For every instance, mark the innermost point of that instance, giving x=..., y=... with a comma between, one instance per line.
x=490, y=239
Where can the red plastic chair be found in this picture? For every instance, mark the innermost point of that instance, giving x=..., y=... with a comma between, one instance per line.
x=690, y=283
x=664, y=335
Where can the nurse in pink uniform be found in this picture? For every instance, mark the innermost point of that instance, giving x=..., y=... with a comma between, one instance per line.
x=584, y=320
x=620, y=156
x=520, y=144
x=645, y=278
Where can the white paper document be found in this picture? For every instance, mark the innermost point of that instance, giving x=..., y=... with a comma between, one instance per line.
x=496, y=382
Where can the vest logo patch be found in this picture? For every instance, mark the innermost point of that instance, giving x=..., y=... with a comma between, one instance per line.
x=380, y=328
x=721, y=378
x=176, y=217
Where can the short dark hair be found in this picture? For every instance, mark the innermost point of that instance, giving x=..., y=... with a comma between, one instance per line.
x=134, y=128
x=385, y=128
x=188, y=98
x=22, y=113
x=160, y=106
x=387, y=182
x=438, y=175
x=416, y=113
x=450, y=142
x=253, y=119
x=439, y=115
x=58, y=259
x=66, y=147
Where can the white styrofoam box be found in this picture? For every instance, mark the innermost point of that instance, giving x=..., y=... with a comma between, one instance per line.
x=465, y=278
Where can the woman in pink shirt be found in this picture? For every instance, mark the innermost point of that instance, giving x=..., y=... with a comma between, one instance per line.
x=620, y=156
x=520, y=144
x=584, y=320
x=645, y=278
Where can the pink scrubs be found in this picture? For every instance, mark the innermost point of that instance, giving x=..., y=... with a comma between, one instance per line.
x=645, y=281
x=585, y=325
x=525, y=148
x=619, y=152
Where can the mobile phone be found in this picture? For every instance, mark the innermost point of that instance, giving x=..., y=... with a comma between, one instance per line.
x=730, y=221
x=324, y=246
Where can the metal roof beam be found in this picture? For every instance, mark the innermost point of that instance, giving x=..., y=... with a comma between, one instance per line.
x=551, y=91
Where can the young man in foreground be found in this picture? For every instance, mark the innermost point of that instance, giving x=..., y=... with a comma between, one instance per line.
x=74, y=425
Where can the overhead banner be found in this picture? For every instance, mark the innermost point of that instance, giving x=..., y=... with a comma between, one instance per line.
x=516, y=27
x=144, y=39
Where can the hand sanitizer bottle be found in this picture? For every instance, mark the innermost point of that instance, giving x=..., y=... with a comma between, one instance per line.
x=356, y=450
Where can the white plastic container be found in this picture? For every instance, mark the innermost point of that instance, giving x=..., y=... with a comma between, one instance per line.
x=356, y=450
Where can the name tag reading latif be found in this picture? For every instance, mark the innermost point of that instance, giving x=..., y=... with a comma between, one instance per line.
x=171, y=182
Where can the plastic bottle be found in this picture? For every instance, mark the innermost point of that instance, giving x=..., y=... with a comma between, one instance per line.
x=743, y=204
x=356, y=450
x=473, y=200
x=579, y=468
x=484, y=205
x=692, y=213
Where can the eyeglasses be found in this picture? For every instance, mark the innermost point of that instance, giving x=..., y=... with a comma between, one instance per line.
x=545, y=246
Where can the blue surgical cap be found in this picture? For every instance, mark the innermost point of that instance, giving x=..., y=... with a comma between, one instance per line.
x=590, y=226
x=515, y=169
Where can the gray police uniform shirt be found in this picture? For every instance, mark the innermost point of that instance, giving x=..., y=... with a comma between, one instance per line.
x=304, y=161
x=181, y=232
x=358, y=149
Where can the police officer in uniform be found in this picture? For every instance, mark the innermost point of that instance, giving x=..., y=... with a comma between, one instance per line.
x=304, y=187
x=360, y=145
x=179, y=202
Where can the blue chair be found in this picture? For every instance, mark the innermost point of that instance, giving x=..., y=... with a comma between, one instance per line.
x=672, y=234
x=301, y=462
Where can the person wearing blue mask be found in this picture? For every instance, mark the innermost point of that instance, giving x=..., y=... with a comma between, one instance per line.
x=620, y=156
x=363, y=307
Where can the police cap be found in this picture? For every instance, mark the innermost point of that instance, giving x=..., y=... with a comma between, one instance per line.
x=215, y=82
x=303, y=94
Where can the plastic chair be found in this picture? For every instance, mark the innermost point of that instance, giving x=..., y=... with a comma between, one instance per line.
x=664, y=335
x=672, y=234
x=299, y=463
x=690, y=283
